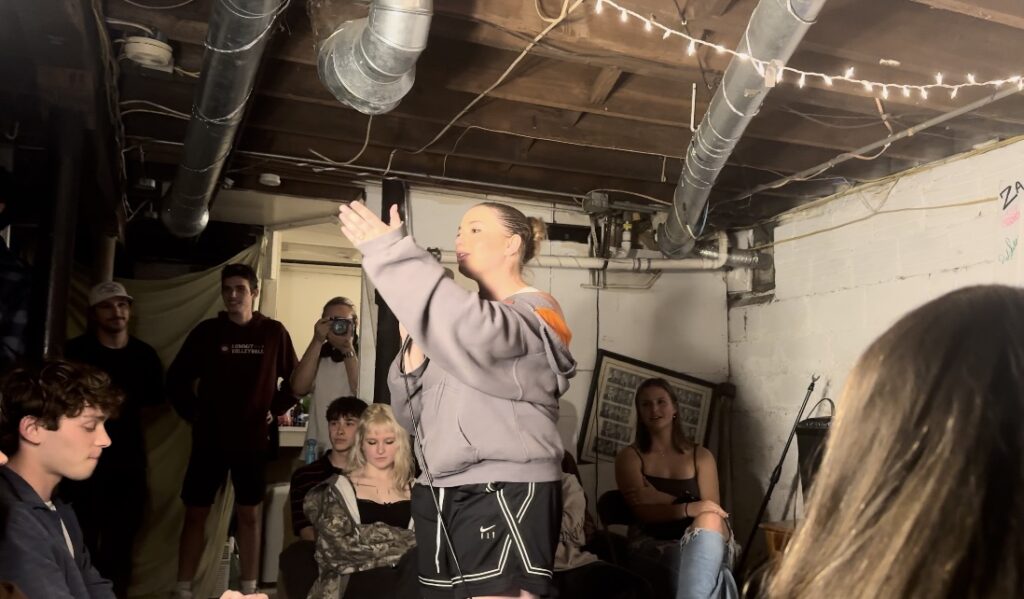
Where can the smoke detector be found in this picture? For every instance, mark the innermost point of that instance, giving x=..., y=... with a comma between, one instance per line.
x=150, y=53
x=270, y=179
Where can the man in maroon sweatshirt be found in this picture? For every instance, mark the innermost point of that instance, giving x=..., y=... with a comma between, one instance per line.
x=228, y=378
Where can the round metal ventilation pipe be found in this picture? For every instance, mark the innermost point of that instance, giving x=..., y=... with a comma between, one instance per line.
x=370, y=63
x=775, y=29
x=236, y=37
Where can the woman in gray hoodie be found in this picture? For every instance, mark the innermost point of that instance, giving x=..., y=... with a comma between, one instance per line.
x=477, y=381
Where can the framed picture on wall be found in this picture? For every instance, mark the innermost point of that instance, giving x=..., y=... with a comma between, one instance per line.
x=609, y=422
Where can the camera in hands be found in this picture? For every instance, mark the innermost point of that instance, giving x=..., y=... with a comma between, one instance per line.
x=342, y=326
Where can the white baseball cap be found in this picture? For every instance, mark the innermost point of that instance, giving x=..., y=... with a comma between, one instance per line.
x=105, y=291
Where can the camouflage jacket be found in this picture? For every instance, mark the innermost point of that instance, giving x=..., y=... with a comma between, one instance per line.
x=343, y=544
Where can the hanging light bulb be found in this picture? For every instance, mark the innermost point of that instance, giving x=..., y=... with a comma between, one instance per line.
x=971, y=79
x=938, y=78
x=868, y=87
x=802, y=81
x=885, y=91
x=692, y=48
x=599, y=7
x=667, y=33
x=647, y=25
x=952, y=94
x=623, y=16
x=924, y=93
x=849, y=73
x=906, y=91
x=828, y=81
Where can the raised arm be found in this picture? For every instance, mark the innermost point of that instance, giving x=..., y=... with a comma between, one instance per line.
x=475, y=339
x=305, y=373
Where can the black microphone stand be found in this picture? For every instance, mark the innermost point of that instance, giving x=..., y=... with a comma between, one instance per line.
x=776, y=474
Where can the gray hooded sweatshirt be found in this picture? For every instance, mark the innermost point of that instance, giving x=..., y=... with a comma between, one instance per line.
x=486, y=398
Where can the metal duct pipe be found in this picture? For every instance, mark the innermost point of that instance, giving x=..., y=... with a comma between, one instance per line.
x=773, y=33
x=370, y=63
x=237, y=35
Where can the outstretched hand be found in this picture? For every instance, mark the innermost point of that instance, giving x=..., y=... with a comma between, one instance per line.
x=360, y=224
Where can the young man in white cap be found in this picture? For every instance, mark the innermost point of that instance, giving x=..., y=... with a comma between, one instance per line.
x=109, y=505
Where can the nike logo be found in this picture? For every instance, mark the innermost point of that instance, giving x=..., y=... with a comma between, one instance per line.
x=485, y=529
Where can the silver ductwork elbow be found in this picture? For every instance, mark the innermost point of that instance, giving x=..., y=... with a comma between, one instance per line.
x=236, y=37
x=370, y=63
x=775, y=29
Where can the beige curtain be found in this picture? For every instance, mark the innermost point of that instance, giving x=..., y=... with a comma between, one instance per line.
x=163, y=313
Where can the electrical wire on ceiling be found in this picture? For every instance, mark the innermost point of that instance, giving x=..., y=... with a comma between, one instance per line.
x=159, y=7
x=110, y=77
x=139, y=26
x=153, y=108
x=566, y=11
x=632, y=193
x=366, y=142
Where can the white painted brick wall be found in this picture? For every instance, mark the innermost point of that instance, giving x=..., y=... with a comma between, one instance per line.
x=836, y=291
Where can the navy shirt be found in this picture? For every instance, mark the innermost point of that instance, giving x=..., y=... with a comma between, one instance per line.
x=34, y=552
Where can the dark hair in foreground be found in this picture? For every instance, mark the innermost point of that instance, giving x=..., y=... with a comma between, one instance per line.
x=49, y=391
x=643, y=436
x=350, y=406
x=921, y=490
x=531, y=230
x=240, y=270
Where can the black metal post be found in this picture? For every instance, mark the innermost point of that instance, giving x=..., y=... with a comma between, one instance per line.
x=393, y=192
x=68, y=142
x=776, y=474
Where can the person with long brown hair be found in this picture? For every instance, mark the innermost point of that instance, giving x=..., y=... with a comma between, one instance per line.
x=921, y=490
x=477, y=381
x=671, y=485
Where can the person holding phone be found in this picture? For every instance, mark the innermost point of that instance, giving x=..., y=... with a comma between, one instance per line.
x=329, y=368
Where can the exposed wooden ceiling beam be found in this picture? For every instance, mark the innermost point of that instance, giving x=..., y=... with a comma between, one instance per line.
x=293, y=82
x=603, y=85
x=825, y=57
x=340, y=134
x=1004, y=12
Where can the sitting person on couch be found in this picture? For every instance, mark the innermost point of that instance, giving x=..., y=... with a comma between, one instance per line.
x=363, y=519
x=297, y=565
x=671, y=486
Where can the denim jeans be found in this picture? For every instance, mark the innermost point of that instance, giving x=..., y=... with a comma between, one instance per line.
x=703, y=567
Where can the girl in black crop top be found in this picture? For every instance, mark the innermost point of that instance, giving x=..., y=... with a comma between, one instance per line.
x=668, y=482
x=666, y=479
x=381, y=473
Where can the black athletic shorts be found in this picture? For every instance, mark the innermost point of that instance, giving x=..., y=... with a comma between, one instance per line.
x=502, y=538
x=208, y=471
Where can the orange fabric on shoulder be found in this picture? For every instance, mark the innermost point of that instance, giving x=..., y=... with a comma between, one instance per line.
x=557, y=323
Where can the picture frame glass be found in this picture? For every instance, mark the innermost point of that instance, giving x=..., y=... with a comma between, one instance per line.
x=609, y=422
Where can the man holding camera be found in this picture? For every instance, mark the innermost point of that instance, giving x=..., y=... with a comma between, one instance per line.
x=329, y=368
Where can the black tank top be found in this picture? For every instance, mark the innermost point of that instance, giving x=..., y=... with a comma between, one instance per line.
x=685, y=490
x=395, y=514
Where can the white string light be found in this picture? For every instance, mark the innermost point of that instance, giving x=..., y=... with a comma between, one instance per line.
x=801, y=77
